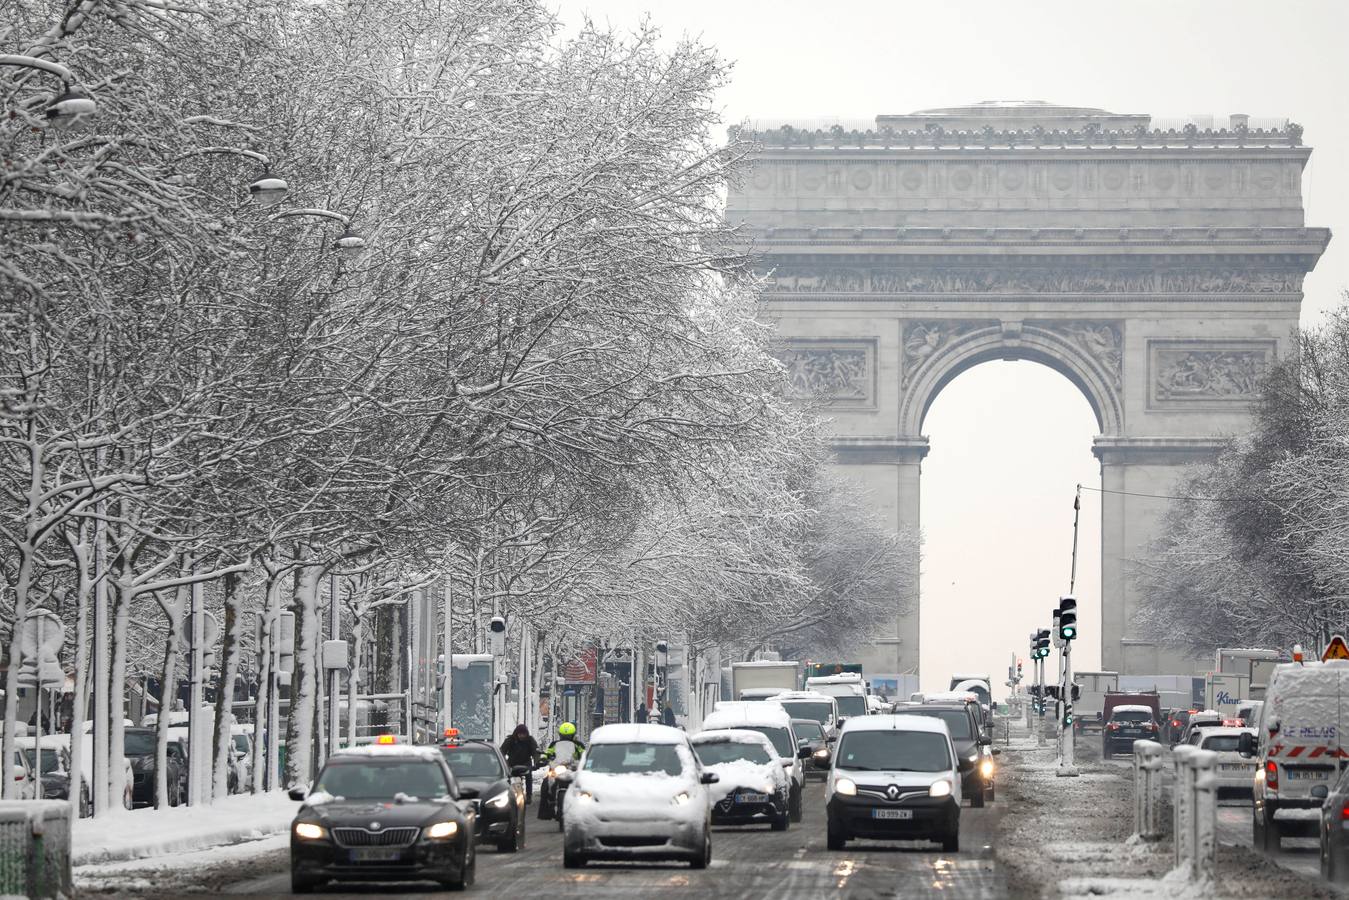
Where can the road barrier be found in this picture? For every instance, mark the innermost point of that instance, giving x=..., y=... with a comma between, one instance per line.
x=35, y=848
x=1196, y=812
x=1148, y=763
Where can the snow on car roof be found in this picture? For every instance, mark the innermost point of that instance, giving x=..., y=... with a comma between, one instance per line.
x=841, y=678
x=388, y=751
x=732, y=736
x=636, y=733
x=949, y=697
x=899, y=722
x=804, y=695
x=748, y=713
x=1131, y=707
x=1222, y=730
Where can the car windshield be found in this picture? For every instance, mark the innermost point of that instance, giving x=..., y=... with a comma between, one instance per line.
x=780, y=738
x=51, y=761
x=241, y=743
x=138, y=743
x=634, y=758
x=895, y=751
x=957, y=721
x=1131, y=716
x=1223, y=743
x=473, y=762
x=713, y=752
x=818, y=710
x=852, y=705
x=364, y=779
x=808, y=730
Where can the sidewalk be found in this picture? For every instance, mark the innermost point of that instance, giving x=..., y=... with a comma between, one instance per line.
x=1069, y=837
x=137, y=834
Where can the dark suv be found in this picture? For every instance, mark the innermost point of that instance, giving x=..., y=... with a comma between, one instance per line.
x=138, y=745
x=970, y=743
x=1127, y=724
x=501, y=794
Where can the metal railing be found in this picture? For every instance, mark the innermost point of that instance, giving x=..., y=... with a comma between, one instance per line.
x=35, y=848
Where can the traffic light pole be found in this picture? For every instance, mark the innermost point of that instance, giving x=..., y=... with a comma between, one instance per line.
x=1067, y=763
x=1040, y=705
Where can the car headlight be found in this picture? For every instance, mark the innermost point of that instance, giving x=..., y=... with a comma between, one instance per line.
x=308, y=831
x=939, y=789
x=821, y=754
x=442, y=830
x=974, y=757
x=500, y=801
x=846, y=786
x=986, y=768
x=681, y=798
x=556, y=771
x=584, y=795
x=765, y=789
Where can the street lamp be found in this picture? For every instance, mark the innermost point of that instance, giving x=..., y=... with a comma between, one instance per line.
x=348, y=243
x=267, y=191
x=70, y=107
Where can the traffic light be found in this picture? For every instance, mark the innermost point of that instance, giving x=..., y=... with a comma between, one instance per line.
x=1067, y=715
x=1041, y=644
x=1067, y=618
x=1055, y=631
x=1018, y=670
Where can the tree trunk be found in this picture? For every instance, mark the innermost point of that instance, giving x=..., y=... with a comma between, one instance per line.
x=304, y=683
x=168, y=689
x=231, y=644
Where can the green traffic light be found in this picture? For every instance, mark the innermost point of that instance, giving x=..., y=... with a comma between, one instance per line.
x=1069, y=632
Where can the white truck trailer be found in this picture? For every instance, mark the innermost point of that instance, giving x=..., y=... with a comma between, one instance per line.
x=1092, y=688
x=1256, y=664
x=763, y=678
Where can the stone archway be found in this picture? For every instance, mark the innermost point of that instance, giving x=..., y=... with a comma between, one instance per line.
x=1159, y=270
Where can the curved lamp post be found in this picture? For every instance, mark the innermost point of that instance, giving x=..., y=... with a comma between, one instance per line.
x=267, y=191
x=67, y=108
x=348, y=243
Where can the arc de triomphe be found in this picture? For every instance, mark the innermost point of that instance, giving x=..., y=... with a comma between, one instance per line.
x=1160, y=270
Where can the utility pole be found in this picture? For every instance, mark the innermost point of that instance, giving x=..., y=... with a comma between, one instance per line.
x=334, y=674
x=1067, y=633
x=196, y=750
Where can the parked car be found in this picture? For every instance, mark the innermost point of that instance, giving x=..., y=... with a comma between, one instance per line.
x=500, y=800
x=383, y=813
x=970, y=742
x=773, y=722
x=752, y=787
x=1296, y=747
x=1128, y=723
x=895, y=777
x=21, y=771
x=641, y=793
x=1234, y=771
x=138, y=745
x=810, y=736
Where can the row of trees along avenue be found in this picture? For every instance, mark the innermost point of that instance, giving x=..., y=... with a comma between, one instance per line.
x=397, y=293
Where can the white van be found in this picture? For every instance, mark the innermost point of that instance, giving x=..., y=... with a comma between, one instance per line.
x=1297, y=749
x=895, y=778
x=775, y=723
x=847, y=690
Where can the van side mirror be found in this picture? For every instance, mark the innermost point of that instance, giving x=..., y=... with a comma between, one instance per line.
x=1246, y=745
x=841, y=720
x=468, y=793
x=299, y=792
x=709, y=778
x=965, y=765
x=803, y=753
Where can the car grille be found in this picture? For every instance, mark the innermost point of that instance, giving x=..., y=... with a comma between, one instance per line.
x=881, y=792
x=616, y=840
x=363, y=837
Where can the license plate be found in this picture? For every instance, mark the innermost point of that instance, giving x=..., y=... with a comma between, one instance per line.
x=1234, y=767
x=1307, y=774
x=892, y=814
x=377, y=854
x=751, y=798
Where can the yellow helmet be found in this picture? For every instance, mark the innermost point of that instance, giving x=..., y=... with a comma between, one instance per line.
x=566, y=729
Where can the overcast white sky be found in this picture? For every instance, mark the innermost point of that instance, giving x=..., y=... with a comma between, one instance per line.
x=1010, y=440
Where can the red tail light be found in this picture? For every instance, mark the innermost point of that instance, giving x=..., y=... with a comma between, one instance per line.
x=1114, y=726
x=1344, y=813
x=1272, y=775
x=1175, y=723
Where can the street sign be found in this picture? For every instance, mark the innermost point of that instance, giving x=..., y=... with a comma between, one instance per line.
x=46, y=674
x=41, y=634
x=1336, y=649
x=210, y=630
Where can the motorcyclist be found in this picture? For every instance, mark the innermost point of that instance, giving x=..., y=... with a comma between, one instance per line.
x=566, y=748
x=520, y=749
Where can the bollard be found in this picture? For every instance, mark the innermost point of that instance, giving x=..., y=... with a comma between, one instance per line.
x=1181, y=827
x=1204, y=810
x=1147, y=789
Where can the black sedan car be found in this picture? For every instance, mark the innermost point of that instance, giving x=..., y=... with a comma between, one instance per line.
x=810, y=735
x=501, y=795
x=138, y=745
x=383, y=813
x=970, y=744
x=1334, y=840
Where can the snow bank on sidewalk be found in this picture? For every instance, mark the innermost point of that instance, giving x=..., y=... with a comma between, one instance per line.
x=136, y=834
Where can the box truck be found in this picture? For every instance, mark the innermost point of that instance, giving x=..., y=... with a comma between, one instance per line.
x=764, y=678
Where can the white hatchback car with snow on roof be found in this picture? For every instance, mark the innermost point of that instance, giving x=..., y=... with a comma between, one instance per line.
x=753, y=788
x=775, y=723
x=895, y=778
x=641, y=793
x=1233, y=772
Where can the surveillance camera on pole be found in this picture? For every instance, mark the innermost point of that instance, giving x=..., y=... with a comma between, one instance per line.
x=496, y=635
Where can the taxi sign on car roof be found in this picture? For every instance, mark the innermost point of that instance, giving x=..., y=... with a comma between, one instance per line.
x=1336, y=649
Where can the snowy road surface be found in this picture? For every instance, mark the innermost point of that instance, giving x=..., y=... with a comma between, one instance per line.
x=750, y=862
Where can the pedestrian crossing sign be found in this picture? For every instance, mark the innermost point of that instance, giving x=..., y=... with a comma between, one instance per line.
x=1336, y=649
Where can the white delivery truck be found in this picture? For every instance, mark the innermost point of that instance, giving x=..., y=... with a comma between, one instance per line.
x=1256, y=664
x=1297, y=749
x=847, y=690
x=1226, y=692
x=1092, y=688
x=763, y=678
